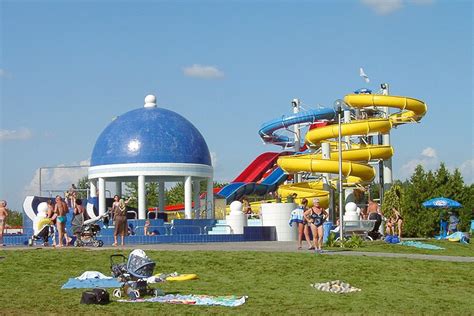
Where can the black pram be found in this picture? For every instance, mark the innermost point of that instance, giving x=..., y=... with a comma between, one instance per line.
x=86, y=232
x=133, y=272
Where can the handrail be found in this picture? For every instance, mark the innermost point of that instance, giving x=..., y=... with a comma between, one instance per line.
x=206, y=228
x=361, y=225
x=173, y=227
x=166, y=227
x=135, y=215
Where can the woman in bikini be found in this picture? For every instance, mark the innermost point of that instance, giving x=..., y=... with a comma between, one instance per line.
x=397, y=220
x=316, y=216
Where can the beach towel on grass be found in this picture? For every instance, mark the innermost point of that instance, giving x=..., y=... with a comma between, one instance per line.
x=74, y=283
x=229, y=301
x=420, y=245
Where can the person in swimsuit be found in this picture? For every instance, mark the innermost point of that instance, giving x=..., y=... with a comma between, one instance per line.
x=146, y=229
x=303, y=227
x=53, y=217
x=397, y=220
x=3, y=219
x=316, y=216
x=61, y=209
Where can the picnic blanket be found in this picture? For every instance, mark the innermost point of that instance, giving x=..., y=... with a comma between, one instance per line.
x=228, y=301
x=74, y=283
x=420, y=245
x=337, y=286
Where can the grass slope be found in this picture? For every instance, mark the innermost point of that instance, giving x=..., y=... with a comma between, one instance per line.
x=276, y=283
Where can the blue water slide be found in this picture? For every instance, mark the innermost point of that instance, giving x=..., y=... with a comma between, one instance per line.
x=236, y=190
x=268, y=129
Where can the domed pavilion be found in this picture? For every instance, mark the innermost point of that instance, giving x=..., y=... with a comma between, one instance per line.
x=152, y=144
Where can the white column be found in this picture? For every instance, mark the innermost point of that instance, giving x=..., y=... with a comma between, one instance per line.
x=92, y=188
x=188, y=197
x=196, y=200
x=210, y=199
x=141, y=197
x=347, y=119
x=296, y=128
x=161, y=195
x=102, y=206
x=387, y=164
x=349, y=195
x=118, y=188
x=326, y=154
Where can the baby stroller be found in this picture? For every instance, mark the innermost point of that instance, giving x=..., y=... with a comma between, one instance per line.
x=44, y=230
x=133, y=272
x=87, y=232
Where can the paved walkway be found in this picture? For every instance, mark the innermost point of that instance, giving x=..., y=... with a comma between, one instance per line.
x=281, y=246
x=270, y=246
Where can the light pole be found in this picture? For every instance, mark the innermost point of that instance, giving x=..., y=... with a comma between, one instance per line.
x=339, y=107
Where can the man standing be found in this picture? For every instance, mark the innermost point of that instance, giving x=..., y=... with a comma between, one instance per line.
x=61, y=209
x=3, y=219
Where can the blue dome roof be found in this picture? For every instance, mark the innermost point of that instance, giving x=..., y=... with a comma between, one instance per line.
x=150, y=135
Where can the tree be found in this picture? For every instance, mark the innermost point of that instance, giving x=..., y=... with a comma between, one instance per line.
x=15, y=218
x=174, y=195
x=422, y=186
x=392, y=199
x=83, y=187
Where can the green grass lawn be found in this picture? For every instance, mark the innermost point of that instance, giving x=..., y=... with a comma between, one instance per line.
x=450, y=248
x=276, y=283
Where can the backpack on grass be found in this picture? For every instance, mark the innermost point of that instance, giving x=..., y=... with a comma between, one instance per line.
x=95, y=296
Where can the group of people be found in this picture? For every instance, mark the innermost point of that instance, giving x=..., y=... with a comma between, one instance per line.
x=57, y=213
x=310, y=218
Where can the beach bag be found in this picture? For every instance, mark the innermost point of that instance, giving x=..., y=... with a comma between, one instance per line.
x=95, y=296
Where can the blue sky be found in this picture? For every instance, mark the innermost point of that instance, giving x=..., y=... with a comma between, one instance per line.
x=67, y=68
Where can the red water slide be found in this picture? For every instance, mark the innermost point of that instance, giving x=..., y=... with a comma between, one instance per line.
x=258, y=167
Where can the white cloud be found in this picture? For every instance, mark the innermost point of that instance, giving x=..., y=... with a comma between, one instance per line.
x=5, y=74
x=429, y=152
x=383, y=7
x=20, y=134
x=428, y=159
x=56, y=178
x=467, y=171
x=202, y=71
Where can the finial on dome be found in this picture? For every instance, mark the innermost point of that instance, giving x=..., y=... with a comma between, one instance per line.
x=150, y=101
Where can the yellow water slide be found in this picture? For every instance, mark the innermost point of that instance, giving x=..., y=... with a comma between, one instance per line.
x=355, y=157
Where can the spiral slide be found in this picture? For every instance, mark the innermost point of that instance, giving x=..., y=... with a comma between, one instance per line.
x=253, y=180
x=355, y=160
